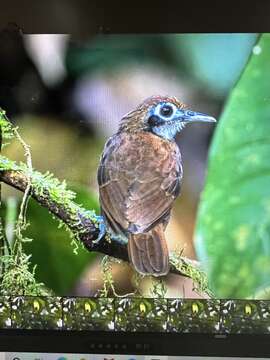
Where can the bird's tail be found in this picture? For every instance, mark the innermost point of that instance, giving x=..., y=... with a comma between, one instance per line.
x=148, y=252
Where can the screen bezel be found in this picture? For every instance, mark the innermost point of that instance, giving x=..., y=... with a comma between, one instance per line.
x=173, y=344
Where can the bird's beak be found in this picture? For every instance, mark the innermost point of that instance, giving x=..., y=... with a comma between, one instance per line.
x=193, y=116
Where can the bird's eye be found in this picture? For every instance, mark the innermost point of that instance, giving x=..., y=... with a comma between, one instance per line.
x=166, y=110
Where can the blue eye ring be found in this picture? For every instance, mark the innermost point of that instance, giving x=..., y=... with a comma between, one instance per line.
x=166, y=110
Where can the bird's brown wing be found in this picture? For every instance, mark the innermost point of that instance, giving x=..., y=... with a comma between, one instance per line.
x=138, y=181
x=112, y=187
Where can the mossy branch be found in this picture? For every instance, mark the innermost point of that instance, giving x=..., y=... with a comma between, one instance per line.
x=52, y=194
x=81, y=223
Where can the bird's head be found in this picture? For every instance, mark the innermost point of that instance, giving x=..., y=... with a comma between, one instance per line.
x=164, y=116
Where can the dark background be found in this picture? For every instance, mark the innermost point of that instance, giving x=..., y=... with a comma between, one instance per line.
x=82, y=17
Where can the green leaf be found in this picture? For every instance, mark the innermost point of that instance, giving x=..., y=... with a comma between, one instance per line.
x=233, y=227
x=58, y=267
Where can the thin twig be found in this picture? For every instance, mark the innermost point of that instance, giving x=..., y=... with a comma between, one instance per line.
x=23, y=207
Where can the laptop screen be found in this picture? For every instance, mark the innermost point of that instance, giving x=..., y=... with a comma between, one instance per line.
x=134, y=175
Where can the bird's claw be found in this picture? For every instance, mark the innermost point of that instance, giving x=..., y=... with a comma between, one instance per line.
x=102, y=229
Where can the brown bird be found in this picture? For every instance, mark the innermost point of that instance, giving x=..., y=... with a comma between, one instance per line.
x=139, y=178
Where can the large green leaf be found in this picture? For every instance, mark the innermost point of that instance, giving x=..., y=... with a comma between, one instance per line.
x=233, y=227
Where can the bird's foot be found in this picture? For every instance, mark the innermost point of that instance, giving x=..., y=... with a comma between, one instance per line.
x=101, y=227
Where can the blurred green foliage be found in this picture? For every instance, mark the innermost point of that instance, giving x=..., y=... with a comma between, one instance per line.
x=233, y=225
x=57, y=265
x=214, y=60
x=60, y=151
x=113, y=51
x=205, y=59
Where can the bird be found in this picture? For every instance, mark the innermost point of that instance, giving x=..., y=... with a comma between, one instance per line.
x=139, y=177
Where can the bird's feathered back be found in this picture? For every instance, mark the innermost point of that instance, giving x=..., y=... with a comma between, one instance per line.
x=134, y=120
x=139, y=178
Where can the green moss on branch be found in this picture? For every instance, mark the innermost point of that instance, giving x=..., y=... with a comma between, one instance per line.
x=81, y=223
